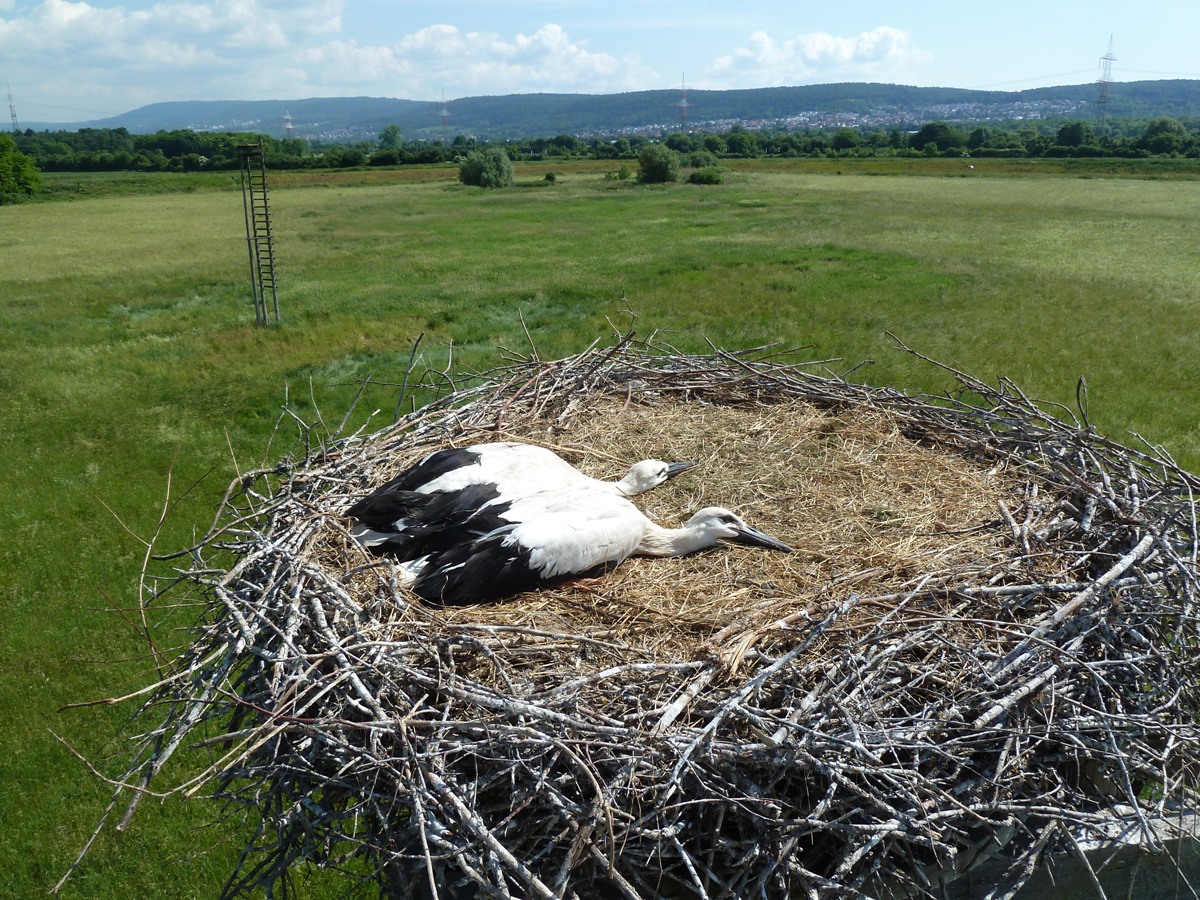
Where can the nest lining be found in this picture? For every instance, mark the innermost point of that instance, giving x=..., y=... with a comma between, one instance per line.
x=988, y=638
x=863, y=505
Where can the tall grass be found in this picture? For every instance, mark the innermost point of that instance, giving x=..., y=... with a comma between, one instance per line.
x=128, y=355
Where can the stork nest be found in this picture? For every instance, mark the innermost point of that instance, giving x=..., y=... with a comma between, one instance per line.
x=987, y=639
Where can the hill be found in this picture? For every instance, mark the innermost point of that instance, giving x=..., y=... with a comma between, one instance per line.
x=532, y=115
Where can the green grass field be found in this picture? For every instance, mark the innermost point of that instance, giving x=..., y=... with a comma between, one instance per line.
x=128, y=356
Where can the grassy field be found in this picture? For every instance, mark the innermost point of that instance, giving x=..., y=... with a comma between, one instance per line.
x=128, y=357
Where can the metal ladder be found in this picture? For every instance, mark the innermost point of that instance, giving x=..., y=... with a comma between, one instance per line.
x=258, y=230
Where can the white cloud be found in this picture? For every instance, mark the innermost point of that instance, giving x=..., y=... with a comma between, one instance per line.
x=424, y=63
x=883, y=52
x=348, y=63
x=489, y=63
x=114, y=58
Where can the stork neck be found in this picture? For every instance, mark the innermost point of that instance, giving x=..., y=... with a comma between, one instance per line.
x=659, y=541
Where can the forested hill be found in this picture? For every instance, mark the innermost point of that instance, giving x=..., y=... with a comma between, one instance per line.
x=529, y=115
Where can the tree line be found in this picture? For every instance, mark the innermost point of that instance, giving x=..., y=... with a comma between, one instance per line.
x=116, y=149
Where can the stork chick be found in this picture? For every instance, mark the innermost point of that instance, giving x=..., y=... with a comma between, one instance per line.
x=470, y=546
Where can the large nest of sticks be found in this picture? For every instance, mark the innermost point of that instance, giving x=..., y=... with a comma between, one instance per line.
x=986, y=641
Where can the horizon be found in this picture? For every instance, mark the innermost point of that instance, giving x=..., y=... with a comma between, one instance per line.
x=66, y=61
x=67, y=125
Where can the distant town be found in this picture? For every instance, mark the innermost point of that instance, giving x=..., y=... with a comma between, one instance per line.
x=647, y=113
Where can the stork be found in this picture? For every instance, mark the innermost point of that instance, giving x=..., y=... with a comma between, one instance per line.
x=512, y=470
x=470, y=546
x=520, y=469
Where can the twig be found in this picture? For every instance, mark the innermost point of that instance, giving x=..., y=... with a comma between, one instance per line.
x=907, y=725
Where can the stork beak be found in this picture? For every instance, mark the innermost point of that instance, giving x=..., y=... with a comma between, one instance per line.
x=676, y=468
x=756, y=538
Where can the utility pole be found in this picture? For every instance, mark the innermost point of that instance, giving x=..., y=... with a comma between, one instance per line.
x=12, y=110
x=444, y=118
x=683, y=103
x=1106, y=62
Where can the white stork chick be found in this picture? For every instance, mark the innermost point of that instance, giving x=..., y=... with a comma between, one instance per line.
x=520, y=469
x=459, y=550
x=510, y=470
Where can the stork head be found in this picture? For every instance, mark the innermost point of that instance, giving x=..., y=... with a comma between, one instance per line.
x=724, y=525
x=649, y=474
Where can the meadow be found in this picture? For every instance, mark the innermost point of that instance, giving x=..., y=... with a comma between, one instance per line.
x=134, y=384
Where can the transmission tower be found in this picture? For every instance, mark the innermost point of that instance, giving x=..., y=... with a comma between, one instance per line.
x=1106, y=63
x=444, y=118
x=12, y=109
x=683, y=102
x=287, y=123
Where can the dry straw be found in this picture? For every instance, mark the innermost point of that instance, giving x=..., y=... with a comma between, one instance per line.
x=986, y=643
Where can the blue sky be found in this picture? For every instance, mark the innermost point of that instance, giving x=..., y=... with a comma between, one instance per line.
x=68, y=61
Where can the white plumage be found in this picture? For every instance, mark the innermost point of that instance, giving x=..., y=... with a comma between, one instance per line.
x=470, y=545
x=519, y=469
x=501, y=471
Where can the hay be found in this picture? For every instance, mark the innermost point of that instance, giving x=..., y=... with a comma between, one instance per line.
x=987, y=638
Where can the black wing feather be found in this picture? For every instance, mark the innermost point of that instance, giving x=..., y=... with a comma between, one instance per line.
x=487, y=569
x=424, y=524
x=381, y=510
x=433, y=466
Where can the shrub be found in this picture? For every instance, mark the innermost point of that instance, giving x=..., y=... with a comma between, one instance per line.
x=702, y=159
x=490, y=168
x=707, y=175
x=657, y=164
x=388, y=156
x=19, y=177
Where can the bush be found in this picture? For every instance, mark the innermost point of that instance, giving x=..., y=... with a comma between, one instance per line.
x=702, y=159
x=19, y=177
x=388, y=156
x=657, y=164
x=707, y=175
x=489, y=168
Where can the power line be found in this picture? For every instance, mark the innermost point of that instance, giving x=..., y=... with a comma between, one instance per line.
x=95, y=112
x=1176, y=74
x=1035, y=78
x=996, y=84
